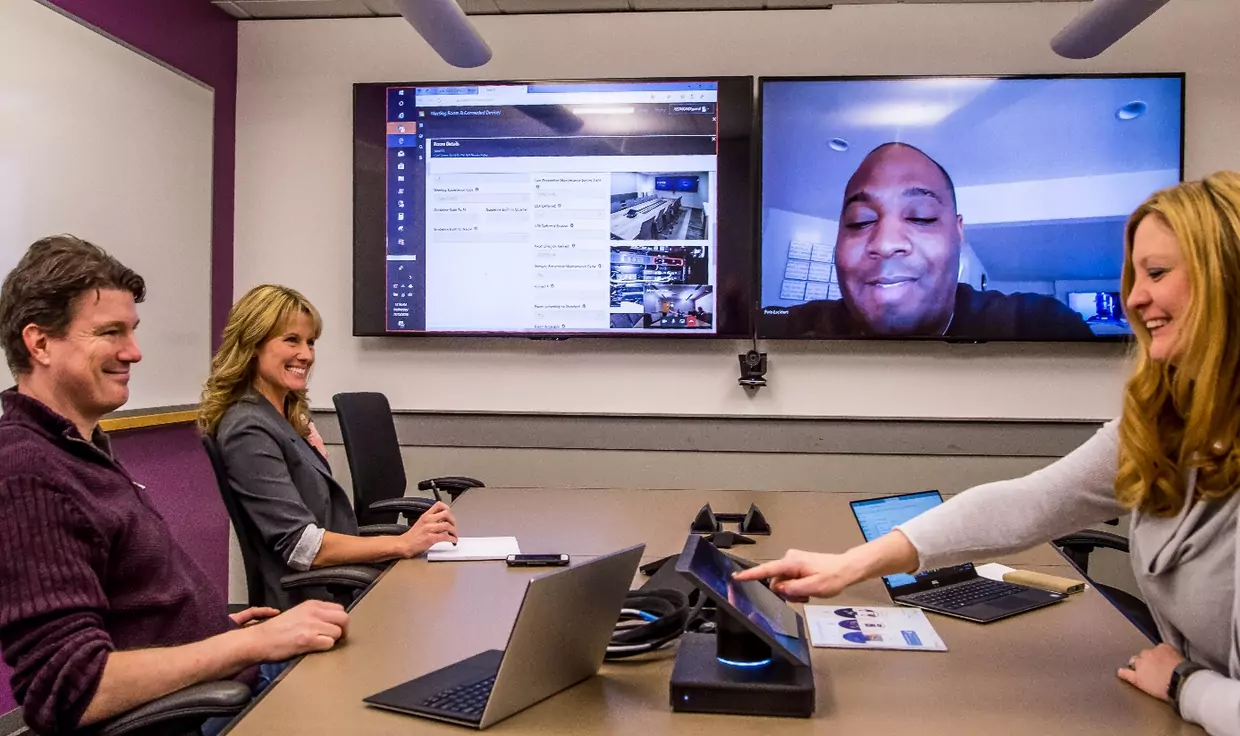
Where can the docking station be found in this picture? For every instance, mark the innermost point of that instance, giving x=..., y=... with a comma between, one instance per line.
x=757, y=663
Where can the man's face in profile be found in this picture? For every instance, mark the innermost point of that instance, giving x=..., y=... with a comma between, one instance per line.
x=898, y=248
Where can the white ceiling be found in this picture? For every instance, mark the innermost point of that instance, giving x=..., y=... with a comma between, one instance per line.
x=272, y=9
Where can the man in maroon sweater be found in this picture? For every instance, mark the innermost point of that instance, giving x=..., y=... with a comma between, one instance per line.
x=100, y=608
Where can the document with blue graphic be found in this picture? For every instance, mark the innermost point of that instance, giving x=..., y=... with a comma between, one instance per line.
x=871, y=627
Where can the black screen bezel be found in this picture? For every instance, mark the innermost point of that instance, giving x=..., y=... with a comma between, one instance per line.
x=762, y=323
x=734, y=298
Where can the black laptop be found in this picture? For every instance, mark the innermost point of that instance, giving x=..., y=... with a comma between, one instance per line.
x=953, y=591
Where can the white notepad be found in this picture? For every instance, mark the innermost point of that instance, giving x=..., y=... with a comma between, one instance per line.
x=471, y=549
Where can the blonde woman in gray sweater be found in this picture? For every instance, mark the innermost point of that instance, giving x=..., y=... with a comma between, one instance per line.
x=1172, y=459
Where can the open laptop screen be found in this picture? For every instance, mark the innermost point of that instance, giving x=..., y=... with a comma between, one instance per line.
x=877, y=516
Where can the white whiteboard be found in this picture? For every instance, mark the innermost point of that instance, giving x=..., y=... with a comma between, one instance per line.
x=99, y=141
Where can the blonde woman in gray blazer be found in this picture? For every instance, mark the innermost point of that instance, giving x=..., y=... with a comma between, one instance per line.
x=255, y=405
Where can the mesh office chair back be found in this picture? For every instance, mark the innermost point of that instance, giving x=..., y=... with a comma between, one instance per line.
x=247, y=535
x=373, y=451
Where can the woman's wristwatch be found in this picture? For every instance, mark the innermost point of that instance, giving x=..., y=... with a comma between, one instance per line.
x=1178, y=676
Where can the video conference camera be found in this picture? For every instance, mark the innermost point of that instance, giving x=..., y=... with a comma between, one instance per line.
x=753, y=369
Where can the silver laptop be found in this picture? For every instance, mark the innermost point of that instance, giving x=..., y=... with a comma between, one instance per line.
x=559, y=639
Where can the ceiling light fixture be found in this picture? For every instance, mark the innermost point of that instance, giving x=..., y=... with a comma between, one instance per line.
x=1101, y=25
x=448, y=31
x=1132, y=110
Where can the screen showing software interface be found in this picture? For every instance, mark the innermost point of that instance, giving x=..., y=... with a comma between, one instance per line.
x=552, y=207
x=976, y=208
x=751, y=599
x=881, y=515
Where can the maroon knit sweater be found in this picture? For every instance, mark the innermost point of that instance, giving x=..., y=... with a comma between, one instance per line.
x=87, y=566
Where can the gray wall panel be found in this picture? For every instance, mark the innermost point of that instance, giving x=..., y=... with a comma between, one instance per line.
x=713, y=434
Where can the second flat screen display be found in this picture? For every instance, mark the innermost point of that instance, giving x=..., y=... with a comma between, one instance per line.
x=966, y=208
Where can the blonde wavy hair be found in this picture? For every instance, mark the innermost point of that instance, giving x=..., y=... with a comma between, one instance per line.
x=262, y=314
x=1184, y=416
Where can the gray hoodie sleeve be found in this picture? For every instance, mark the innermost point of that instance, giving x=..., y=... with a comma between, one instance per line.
x=1012, y=515
x=1209, y=698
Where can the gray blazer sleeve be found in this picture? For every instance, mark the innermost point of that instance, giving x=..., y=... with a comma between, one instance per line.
x=264, y=488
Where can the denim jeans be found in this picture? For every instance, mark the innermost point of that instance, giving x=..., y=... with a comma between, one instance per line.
x=266, y=674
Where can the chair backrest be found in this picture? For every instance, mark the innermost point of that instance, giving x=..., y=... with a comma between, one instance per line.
x=247, y=534
x=373, y=451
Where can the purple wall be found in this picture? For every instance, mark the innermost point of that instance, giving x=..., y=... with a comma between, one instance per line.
x=200, y=40
x=178, y=477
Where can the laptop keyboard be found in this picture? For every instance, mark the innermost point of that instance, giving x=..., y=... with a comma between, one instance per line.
x=963, y=595
x=467, y=701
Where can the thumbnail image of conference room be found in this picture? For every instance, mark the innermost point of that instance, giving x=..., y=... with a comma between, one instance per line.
x=679, y=307
x=632, y=267
x=659, y=206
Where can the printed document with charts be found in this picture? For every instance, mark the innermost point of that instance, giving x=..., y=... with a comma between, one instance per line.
x=872, y=627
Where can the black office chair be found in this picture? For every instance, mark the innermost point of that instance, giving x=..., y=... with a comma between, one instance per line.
x=178, y=714
x=375, y=463
x=1077, y=548
x=343, y=582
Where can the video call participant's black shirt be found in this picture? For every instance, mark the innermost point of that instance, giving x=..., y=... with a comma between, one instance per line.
x=980, y=315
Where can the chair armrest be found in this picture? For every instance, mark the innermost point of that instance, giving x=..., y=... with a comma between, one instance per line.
x=184, y=709
x=412, y=508
x=12, y=724
x=382, y=530
x=1091, y=538
x=347, y=576
x=450, y=483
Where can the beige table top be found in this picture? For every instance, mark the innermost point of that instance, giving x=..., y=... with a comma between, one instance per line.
x=1050, y=671
x=595, y=522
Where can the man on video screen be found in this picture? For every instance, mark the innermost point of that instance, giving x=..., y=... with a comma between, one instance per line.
x=897, y=256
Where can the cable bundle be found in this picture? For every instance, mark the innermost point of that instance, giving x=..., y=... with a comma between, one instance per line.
x=649, y=620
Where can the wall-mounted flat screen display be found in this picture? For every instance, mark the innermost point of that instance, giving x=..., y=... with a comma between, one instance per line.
x=554, y=208
x=957, y=208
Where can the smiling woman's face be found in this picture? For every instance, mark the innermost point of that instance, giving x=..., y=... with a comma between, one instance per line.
x=898, y=248
x=285, y=360
x=1160, y=288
